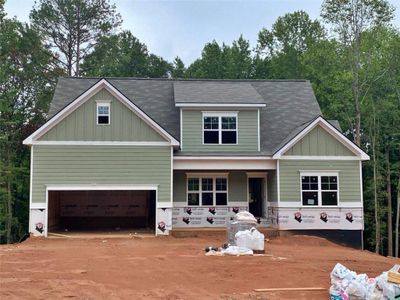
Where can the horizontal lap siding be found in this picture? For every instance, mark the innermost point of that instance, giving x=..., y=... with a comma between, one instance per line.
x=349, y=178
x=101, y=165
x=192, y=132
x=81, y=124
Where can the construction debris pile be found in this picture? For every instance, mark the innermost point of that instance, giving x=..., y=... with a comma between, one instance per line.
x=348, y=285
x=243, y=237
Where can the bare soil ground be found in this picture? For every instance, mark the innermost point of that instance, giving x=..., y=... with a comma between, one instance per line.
x=172, y=268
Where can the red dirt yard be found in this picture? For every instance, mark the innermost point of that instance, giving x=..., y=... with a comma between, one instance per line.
x=172, y=268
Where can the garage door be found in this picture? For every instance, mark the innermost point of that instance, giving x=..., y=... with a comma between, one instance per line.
x=101, y=209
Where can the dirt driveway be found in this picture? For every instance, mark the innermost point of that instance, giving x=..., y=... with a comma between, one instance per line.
x=171, y=268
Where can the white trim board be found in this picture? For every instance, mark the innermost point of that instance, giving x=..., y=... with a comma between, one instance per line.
x=103, y=83
x=361, y=155
x=101, y=187
x=224, y=164
x=222, y=105
x=100, y=143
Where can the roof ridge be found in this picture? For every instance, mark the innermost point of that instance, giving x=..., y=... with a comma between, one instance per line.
x=187, y=79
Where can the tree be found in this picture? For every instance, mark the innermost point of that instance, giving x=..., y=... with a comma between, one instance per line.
x=123, y=55
x=239, y=64
x=179, y=69
x=157, y=67
x=72, y=28
x=290, y=37
x=117, y=55
x=350, y=18
x=26, y=83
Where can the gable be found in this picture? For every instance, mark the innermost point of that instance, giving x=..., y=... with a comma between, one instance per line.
x=81, y=124
x=319, y=142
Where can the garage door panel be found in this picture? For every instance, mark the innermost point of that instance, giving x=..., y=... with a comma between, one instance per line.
x=103, y=203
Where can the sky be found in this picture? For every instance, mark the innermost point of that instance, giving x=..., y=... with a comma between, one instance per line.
x=181, y=28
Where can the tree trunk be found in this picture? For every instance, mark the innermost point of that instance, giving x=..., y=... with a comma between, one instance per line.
x=376, y=203
x=397, y=219
x=9, y=201
x=389, y=205
x=78, y=41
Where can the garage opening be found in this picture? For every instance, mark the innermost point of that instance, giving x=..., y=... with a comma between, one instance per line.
x=101, y=210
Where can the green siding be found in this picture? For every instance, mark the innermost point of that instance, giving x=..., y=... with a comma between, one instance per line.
x=192, y=132
x=349, y=177
x=179, y=186
x=81, y=124
x=272, y=186
x=237, y=186
x=319, y=142
x=101, y=165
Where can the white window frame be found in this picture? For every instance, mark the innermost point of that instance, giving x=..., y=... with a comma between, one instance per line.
x=214, y=177
x=319, y=175
x=106, y=104
x=220, y=115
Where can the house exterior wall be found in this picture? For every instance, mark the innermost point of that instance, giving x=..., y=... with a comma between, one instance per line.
x=192, y=132
x=272, y=186
x=349, y=178
x=237, y=187
x=319, y=142
x=101, y=165
x=81, y=124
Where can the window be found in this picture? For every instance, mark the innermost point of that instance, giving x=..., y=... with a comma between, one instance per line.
x=207, y=190
x=103, y=113
x=319, y=189
x=220, y=128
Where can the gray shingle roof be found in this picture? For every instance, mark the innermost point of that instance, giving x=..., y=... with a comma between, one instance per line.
x=289, y=103
x=216, y=92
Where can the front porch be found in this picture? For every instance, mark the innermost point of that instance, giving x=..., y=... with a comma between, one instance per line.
x=211, y=198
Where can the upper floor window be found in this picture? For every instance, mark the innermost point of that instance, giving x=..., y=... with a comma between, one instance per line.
x=103, y=113
x=319, y=189
x=220, y=128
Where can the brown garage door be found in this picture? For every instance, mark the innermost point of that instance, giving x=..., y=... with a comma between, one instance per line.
x=100, y=209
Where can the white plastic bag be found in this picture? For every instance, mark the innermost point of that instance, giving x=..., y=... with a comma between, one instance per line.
x=257, y=239
x=252, y=239
x=236, y=250
x=245, y=216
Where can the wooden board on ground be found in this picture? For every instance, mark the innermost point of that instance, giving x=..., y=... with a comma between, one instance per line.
x=291, y=289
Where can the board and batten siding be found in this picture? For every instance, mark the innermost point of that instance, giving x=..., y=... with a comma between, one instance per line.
x=192, y=132
x=101, y=165
x=81, y=124
x=237, y=186
x=319, y=142
x=349, y=178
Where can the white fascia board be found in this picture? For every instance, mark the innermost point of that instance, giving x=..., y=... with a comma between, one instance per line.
x=222, y=105
x=103, y=83
x=223, y=158
x=330, y=129
x=100, y=143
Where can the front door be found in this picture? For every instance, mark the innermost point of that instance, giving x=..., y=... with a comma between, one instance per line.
x=256, y=196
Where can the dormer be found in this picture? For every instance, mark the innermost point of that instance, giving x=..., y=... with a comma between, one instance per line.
x=220, y=116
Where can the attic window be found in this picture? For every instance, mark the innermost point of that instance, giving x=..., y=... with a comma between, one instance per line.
x=220, y=128
x=103, y=113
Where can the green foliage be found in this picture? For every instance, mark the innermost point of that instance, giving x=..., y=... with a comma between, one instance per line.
x=123, y=55
x=70, y=28
x=26, y=85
